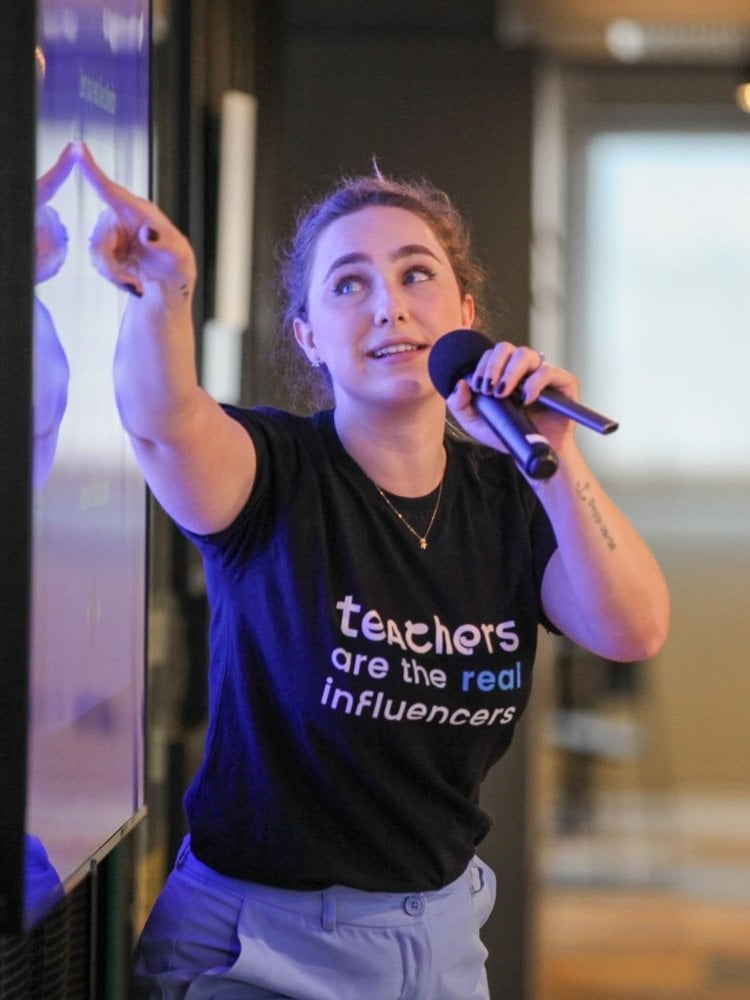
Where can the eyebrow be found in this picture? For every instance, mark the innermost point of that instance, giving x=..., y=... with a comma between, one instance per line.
x=356, y=257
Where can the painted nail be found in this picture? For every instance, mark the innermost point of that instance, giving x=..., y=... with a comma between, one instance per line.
x=152, y=235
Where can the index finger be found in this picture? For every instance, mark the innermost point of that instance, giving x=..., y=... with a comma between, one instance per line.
x=112, y=194
x=49, y=182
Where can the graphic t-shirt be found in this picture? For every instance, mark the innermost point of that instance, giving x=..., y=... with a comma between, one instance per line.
x=361, y=687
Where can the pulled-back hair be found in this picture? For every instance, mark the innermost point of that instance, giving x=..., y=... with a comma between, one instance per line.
x=349, y=196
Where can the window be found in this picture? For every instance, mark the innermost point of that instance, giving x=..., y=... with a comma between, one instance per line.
x=664, y=335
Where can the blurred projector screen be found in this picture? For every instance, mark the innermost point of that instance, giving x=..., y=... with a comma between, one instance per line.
x=85, y=771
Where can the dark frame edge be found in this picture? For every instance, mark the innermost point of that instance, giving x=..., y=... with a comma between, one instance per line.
x=18, y=93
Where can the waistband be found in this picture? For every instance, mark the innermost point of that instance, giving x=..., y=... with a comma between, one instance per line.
x=341, y=904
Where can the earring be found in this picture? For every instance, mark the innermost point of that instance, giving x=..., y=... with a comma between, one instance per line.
x=316, y=360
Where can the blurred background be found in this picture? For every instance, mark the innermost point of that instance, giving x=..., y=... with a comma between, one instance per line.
x=601, y=152
x=602, y=157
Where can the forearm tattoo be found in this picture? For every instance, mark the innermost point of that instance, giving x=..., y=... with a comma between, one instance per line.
x=582, y=489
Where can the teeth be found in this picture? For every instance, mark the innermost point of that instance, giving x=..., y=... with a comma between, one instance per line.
x=395, y=349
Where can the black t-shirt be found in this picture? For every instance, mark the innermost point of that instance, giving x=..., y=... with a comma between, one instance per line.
x=361, y=687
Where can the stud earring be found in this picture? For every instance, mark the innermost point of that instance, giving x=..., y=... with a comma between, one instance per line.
x=316, y=360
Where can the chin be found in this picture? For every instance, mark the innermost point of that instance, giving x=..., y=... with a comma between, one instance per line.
x=411, y=391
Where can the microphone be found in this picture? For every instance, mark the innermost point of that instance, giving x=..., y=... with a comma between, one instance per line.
x=455, y=356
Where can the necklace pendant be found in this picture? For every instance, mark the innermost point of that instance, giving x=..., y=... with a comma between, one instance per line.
x=422, y=539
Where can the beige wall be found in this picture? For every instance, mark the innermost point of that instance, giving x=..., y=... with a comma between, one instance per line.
x=700, y=703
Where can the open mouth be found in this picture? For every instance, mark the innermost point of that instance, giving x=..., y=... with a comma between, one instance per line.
x=391, y=349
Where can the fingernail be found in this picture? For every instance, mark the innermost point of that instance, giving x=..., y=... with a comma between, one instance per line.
x=152, y=235
x=500, y=388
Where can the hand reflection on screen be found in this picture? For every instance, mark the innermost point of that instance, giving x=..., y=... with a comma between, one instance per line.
x=51, y=369
x=42, y=885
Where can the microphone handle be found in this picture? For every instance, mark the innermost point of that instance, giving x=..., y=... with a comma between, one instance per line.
x=556, y=401
x=512, y=424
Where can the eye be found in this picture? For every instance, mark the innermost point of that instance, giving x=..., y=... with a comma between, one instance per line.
x=420, y=272
x=348, y=285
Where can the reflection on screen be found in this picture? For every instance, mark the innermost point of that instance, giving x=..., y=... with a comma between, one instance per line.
x=85, y=781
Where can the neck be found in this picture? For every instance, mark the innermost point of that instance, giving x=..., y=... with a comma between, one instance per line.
x=401, y=452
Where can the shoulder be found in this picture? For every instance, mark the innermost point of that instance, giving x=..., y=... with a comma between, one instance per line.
x=275, y=420
x=293, y=459
x=274, y=429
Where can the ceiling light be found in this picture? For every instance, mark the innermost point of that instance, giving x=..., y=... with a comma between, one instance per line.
x=625, y=40
x=742, y=90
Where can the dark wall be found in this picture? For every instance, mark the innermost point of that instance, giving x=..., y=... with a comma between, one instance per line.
x=447, y=104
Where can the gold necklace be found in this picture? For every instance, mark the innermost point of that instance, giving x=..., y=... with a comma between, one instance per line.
x=422, y=539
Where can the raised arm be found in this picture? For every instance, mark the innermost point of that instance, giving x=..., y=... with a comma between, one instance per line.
x=603, y=587
x=199, y=463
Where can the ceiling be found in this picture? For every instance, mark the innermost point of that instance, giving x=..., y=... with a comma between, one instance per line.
x=707, y=32
x=685, y=31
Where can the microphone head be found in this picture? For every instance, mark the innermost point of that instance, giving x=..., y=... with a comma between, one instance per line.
x=454, y=356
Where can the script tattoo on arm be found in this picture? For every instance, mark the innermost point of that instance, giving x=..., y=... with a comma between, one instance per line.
x=582, y=489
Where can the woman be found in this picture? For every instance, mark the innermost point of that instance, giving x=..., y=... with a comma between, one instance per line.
x=376, y=586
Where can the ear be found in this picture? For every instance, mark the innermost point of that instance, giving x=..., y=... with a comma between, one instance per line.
x=468, y=311
x=304, y=336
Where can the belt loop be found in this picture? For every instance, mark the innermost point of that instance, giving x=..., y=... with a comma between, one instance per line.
x=477, y=879
x=328, y=911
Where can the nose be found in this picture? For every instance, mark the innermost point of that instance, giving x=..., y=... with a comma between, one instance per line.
x=389, y=307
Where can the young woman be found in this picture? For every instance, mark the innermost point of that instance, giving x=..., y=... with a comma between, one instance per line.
x=376, y=585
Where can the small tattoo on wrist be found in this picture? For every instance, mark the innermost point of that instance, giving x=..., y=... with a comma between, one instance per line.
x=582, y=489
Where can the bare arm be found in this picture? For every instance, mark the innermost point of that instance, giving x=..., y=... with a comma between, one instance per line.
x=198, y=461
x=603, y=587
